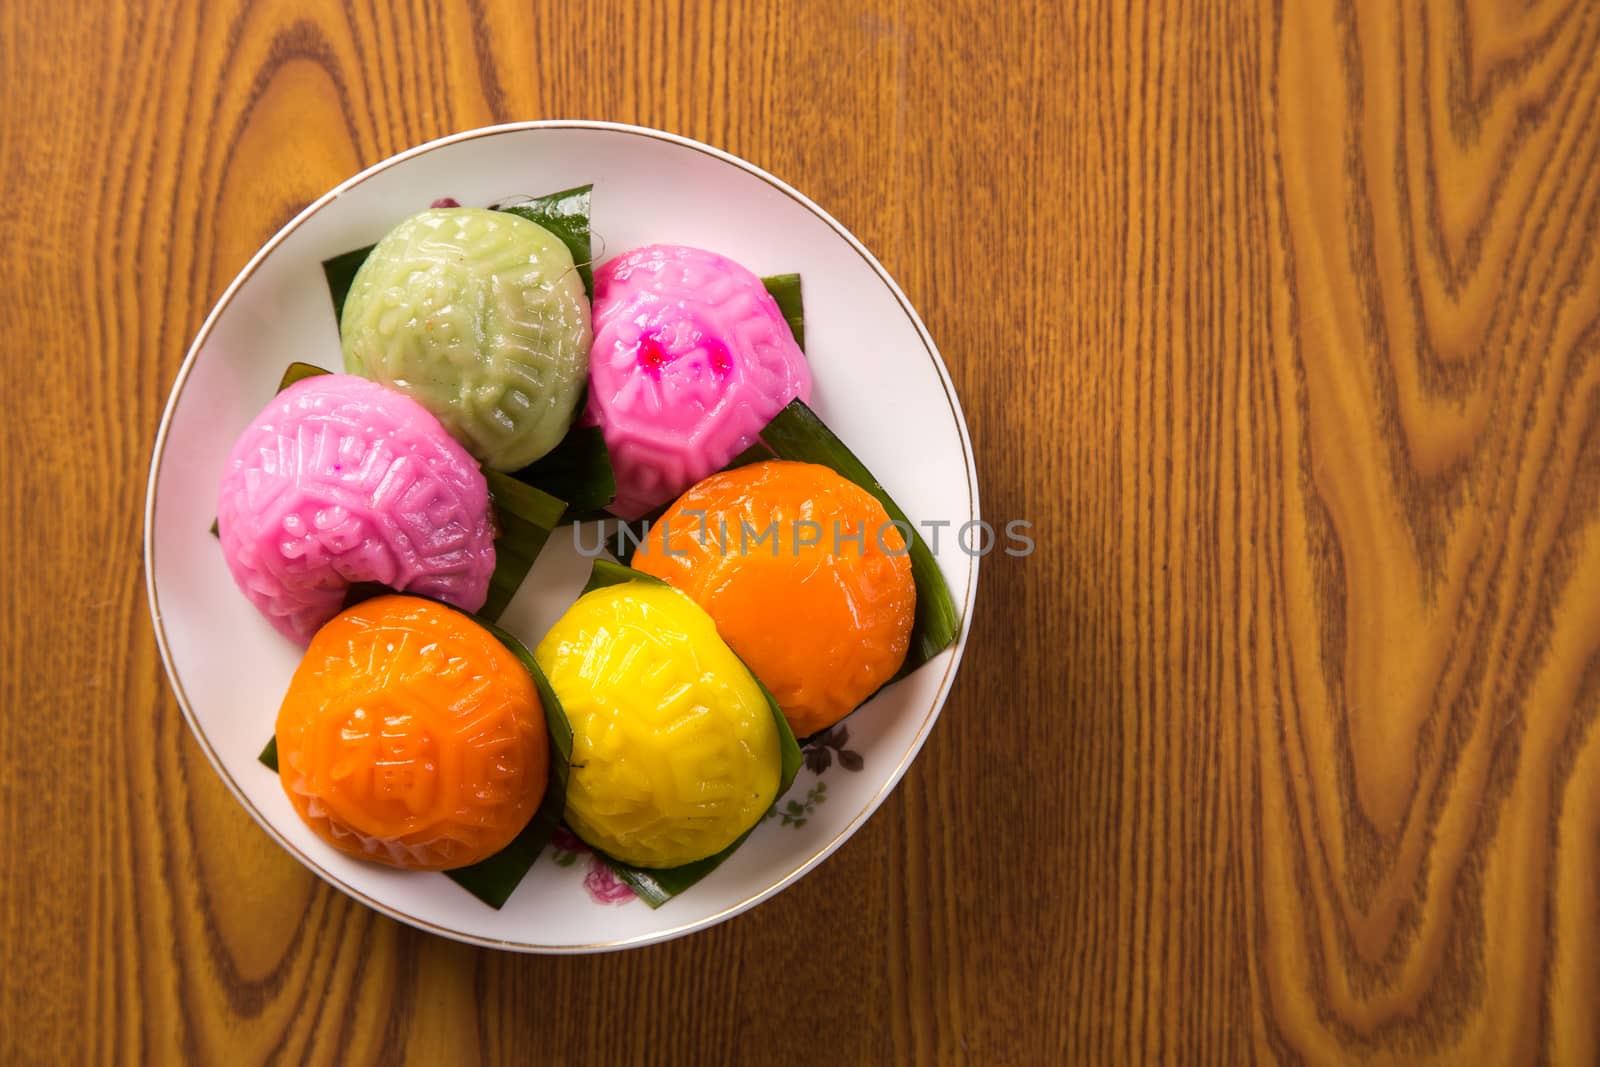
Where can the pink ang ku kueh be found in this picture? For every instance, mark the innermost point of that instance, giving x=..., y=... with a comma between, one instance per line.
x=338, y=481
x=691, y=359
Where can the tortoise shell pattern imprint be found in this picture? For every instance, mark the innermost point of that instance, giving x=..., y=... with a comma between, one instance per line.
x=339, y=480
x=411, y=736
x=691, y=359
x=481, y=316
x=675, y=752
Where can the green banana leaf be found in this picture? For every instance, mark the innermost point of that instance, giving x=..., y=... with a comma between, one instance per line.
x=526, y=516
x=785, y=289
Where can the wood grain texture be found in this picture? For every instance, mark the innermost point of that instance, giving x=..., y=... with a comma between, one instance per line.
x=1280, y=322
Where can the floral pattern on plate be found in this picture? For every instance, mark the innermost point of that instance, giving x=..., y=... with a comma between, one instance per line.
x=599, y=881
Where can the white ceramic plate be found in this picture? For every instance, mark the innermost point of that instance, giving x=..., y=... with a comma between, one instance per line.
x=880, y=384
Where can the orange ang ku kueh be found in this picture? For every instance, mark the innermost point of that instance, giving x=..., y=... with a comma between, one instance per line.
x=412, y=737
x=820, y=613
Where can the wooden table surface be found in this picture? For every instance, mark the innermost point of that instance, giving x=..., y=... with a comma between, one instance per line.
x=1280, y=321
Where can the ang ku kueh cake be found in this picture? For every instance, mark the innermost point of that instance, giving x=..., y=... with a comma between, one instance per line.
x=691, y=358
x=340, y=480
x=675, y=753
x=481, y=317
x=412, y=737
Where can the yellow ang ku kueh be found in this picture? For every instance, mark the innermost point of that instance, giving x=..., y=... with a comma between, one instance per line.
x=675, y=752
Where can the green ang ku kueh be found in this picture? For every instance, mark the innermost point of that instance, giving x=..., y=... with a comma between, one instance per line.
x=481, y=316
